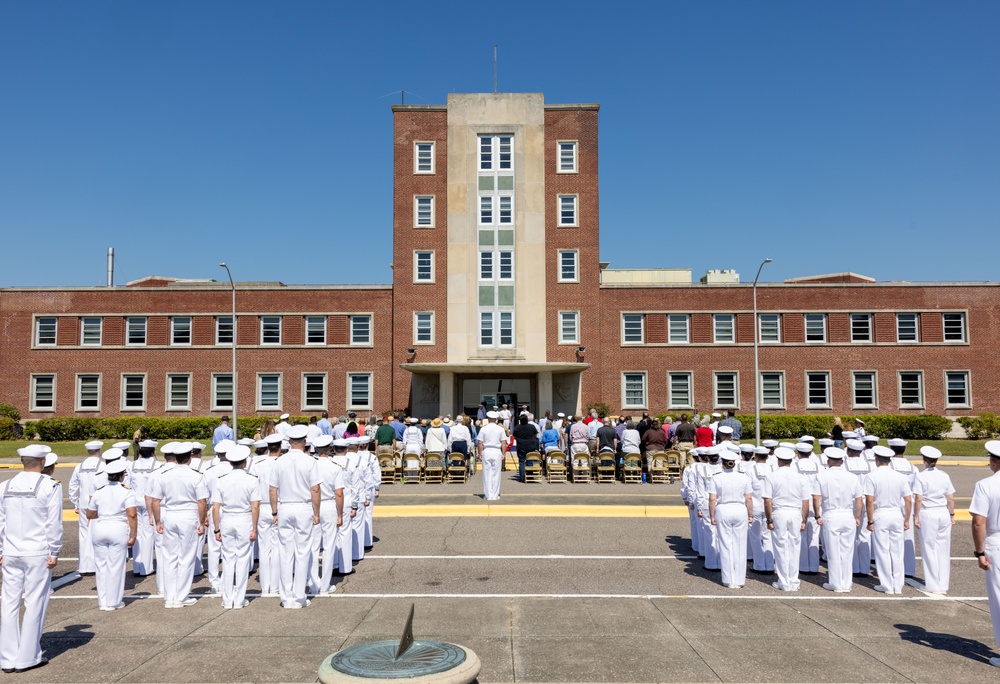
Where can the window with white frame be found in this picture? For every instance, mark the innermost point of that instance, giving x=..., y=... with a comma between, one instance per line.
x=770, y=327
x=423, y=157
x=567, y=210
x=678, y=328
x=43, y=392
x=505, y=257
x=486, y=210
x=568, y=266
x=486, y=265
x=361, y=330
x=957, y=389
x=633, y=390
x=567, y=156
x=633, y=328
x=178, y=392
x=569, y=327
x=423, y=211
x=861, y=327
x=270, y=329
x=423, y=266
x=815, y=327
x=726, y=389
x=135, y=331
x=90, y=330
x=864, y=389
x=88, y=392
x=495, y=152
x=506, y=328
x=222, y=392
x=359, y=390
x=506, y=203
x=911, y=389
x=45, y=331
x=496, y=238
x=772, y=389
x=268, y=391
x=423, y=327
x=133, y=392
x=817, y=389
x=224, y=330
x=486, y=329
x=906, y=327
x=679, y=388
x=954, y=327
x=315, y=329
x=723, y=327
x=313, y=391
x=180, y=331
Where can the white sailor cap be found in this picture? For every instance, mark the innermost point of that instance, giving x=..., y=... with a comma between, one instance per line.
x=168, y=448
x=240, y=452
x=183, y=448
x=807, y=438
x=197, y=445
x=930, y=452
x=695, y=452
x=855, y=445
x=493, y=415
x=246, y=441
x=285, y=445
x=260, y=444
x=297, y=432
x=826, y=442
x=354, y=441
x=746, y=448
x=897, y=442
x=725, y=429
x=993, y=447
x=850, y=434
x=341, y=442
x=870, y=438
x=118, y=466
x=224, y=446
x=274, y=438
x=323, y=441
x=121, y=445
x=730, y=446
x=560, y=415
x=787, y=445
x=414, y=421
x=717, y=415
x=711, y=451
x=761, y=451
x=784, y=454
x=804, y=448
x=770, y=443
x=94, y=445
x=283, y=416
x=112, y=454
x=147, y=444
x=834, y=452
x=50, y=459
x=883, y=452
x=32, y=451
x=363, y=439
x=859, y=421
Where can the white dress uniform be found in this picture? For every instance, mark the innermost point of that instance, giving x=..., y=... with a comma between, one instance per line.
x=985, y=502
x=862, y=561
x=235, y=491
x=109, y=534
x=373, y=476
x=356, y=478
x=839, y=491
x=709, y=532
x=344, y=551
x=81, y=488
x=294, y=475
x=760, y=536
x=30, y=533
x=157, y=536
x=179, y=490
x=687, y=494
x=787, y=490
x=143, y=549
x=269, y=565
x=809, y=468
x=199, y=567
x=906, y=469
x=212, y=475
x=731, y=520
x=492, y=437
x=327, y=533
x=934, y=486
x=889, y=491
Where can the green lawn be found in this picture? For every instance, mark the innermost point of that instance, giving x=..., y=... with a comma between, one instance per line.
x=9, y=449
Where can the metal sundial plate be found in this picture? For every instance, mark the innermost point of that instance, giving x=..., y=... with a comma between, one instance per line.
x=375, y=660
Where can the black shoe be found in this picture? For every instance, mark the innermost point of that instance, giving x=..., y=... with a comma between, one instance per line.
x=6, y=670
x=41, y=663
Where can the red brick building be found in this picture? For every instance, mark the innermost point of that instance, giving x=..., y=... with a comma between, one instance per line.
x=498, y=295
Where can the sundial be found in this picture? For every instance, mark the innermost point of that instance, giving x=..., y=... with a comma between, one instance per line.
x=414, y=660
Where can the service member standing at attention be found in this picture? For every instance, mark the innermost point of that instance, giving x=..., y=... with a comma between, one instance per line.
x=887, y=496
x=30, y=539
x=855, y=464
x=113, y=531
x=344, y=552
x=142, y=469
x=838, y=497
x=730, y=505
x=901, y=465
x=709, y=543
x=294, y=492
x=235, y=508
x=269, y=566
x=808, y=467
x=331, y=516
x=934, y=514
x=168, y=462
x=359, y=494
x=81, y=488
x=212, y=474
x=760, y=536
x=373, y=478
x=985, y=510
x=491, y=446
x=786, y=505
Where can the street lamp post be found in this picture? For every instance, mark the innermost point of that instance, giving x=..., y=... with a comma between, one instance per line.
x=232, y=285
x=756, y=357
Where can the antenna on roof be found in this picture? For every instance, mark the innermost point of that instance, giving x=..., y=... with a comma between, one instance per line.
x=402, y=97
x=494, y=68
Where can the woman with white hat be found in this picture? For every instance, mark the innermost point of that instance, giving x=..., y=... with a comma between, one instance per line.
x=112, y=507
x=730, y=507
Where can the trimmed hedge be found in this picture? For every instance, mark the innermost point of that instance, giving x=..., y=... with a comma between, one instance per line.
x=8, y=428
x=983, y=426
x=788, y=426
x=82, y=429
x=10, y=411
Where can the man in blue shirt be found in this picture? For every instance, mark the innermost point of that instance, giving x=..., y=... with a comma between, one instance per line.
x=223, y=432
x=324, y=424
x=398, y=426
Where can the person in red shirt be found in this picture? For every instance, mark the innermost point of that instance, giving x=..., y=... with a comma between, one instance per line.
x=703, y=436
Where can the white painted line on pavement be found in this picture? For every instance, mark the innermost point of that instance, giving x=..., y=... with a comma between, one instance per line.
x=537, y=557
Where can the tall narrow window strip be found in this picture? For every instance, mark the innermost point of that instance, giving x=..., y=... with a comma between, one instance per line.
x=424, y=211
x=223, y=330
x=506, y=152
x=506, y=209
x=359, y=390
x=569, y=327
x=222, y=392
x=424, y=157
x=567, y=210
x=269, y=390
x=486, y=265
x=486, y=329
x=818, y=389
x=770, y=327
x=506, y=265
x=957, y=389
x=567, y=265
x=45, y=331
x=88, y=397
x=424, y=327
x=506, y=329
x=567, y=156
x=424, y=266
x=634, y=390
x=911, y=389
x=906, y=327
x=314, y=391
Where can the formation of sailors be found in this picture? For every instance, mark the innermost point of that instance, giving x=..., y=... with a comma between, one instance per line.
x=778, y=506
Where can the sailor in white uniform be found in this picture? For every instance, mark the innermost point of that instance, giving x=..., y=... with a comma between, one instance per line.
x=344, y=550
x=934, y=514
x=856, y=464
x=838, y=497
x=221, y=466
x=143, y=468
x=808, y=466
x=709, y=532
x=359, y=487
x=688, y=496
x=730, y=507
x=235, y=508
x=901, y=465
x=760, y=537
x=787, y=496
x=112, y=510
x=331, y=516
x=888, y=497
x=985, y=510
x=30, y=540
x=81, y=488
x=269, y=565
x=491, y=445
x=168, y=462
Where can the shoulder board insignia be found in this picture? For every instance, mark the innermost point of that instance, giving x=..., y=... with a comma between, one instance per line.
x=126, y=486
x=100, y=488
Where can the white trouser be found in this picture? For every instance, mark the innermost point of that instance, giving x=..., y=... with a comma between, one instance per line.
x=160, y=563
x=180, y=543
x=294, y=548
x=199, y=566
x=909, y=551
x=214, y=556
x=86, y=561
x=888, y=543
x=369, y=534
x=237, y=557
x=110, y=539
x=863, y=546
x=329, y=535
x=935, y=547
x=269, y=567
x=695, y=533
x=20, y=641
x=760, y=544
x=992, y=549
x=809, y=549
x=839, y=528
x=358, y=533
x=142, y=550
x=344, y=557
x=731, y=528
x=491, y=473
x=786, y=540
x=710, y=540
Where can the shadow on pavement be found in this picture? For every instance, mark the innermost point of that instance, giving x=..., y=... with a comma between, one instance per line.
x=55, y=644
x=970, y=648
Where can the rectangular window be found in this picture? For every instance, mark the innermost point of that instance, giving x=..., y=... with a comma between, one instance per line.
x=567, y=266
x=569, y=327
x=957, y=389
x=954, y=327
x=313, y=391
x=567, y=156
x=906, y=327
x=726, y=389
x=178, y=392
x=506, y=329
x=359, y=390
x=818, y=389
x=485, y=153
x=486, y=329
x=315, y=329
x=222, y=392
x=43, y=392
x=679, y=386
x=495, y=152
x=633, y=390
x=423, y=267
x=567, y=210
x=772, y=390
x=135, y=330
x=423, y=211
x=506, y=209
x=485, y=211
x=506, y=265
x=861, y=327
x=270, y=329
x=268, y=391
x=45, y=331
x=911, y=389
x=770, y=327
x=423, y=157
x=724, y=328
x=361, y=330
x=815, y=327
x=90, y=330
x=224, y=330
x=486, y=265
x=133, y=392
x=633, y=328
x=180, y=331
x=423, y=327
x=864, y=389
x=88, y=392
x=677, y=329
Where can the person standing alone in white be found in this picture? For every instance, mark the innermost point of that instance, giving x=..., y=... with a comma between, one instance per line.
x=934, y=515
x=730, y=507
x=112, y=509
x=838, y=496
x=491, y=446
x=888, y=498
x=786, y=507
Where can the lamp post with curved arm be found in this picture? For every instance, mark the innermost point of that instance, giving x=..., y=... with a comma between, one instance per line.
x=232, y=285
x=756, y=357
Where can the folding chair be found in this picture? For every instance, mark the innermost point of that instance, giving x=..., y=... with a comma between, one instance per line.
x=458, y=469
x=433, y=467
x=557, y=467
x=606, y=467
x=533, y=467
x=632, y=469
x=411, y=469
x=657, y=467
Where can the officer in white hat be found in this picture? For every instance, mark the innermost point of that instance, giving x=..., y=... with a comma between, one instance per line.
x=112, y=509
x=787, y=496
x=934, y=514
x=839, y=499
x=373, y=484
x=222, y=466
x=761, y=549
x=901, y=465
x=269, y=565
x=179, y=501
x=235, y=509
x=730, y=507
x=860, y=468
x=491, y=446
x=294, y=483
x=49, y=468
x=169, y=461
x=344, y=550
x=282, y=425
x=888, y=498
x=688, y=495
x=869, y=441
x=331, y=516
x=359, y=496
x=985, y=510
x=143, y=467
x=808, y=467
x=81, y=488
x=708, y=543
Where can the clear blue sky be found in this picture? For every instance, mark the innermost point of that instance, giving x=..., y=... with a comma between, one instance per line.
x=861, y=136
